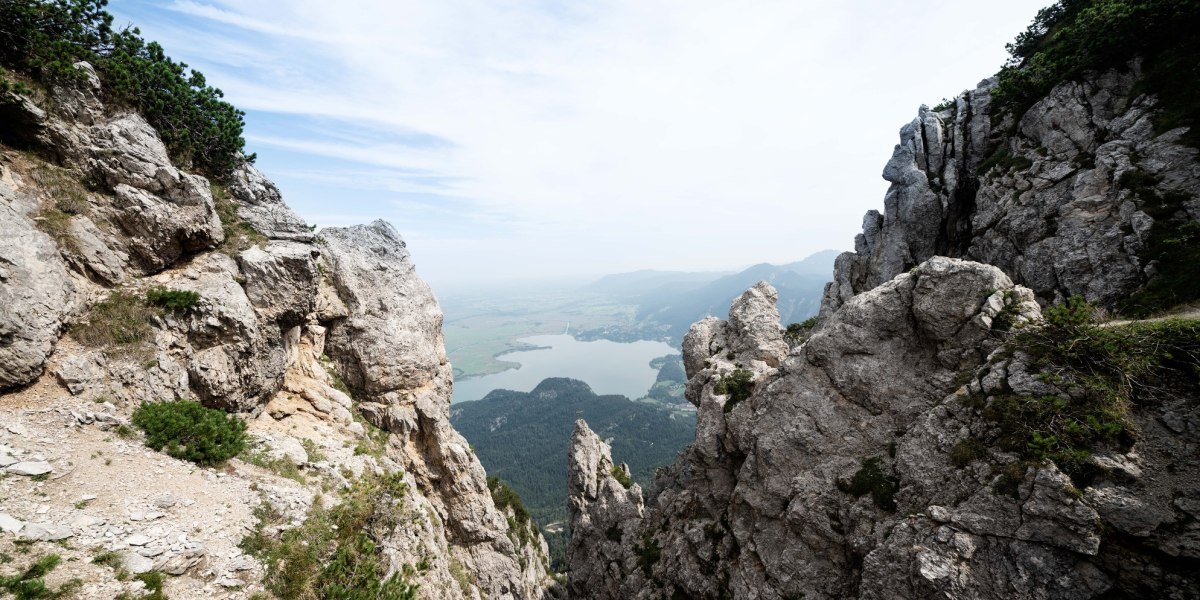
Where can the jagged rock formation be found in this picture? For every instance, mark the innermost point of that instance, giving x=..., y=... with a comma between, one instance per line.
x=865, y=462
x=754, y=508
x=605, y=519
x=93, y=213
x=1041, y=198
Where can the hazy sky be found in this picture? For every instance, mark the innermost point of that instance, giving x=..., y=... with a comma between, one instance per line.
x=514, y=140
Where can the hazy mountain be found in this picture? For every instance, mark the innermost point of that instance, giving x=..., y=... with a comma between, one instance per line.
x=678, y=299
x=636, y=283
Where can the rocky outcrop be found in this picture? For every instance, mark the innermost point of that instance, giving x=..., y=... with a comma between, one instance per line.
x=36, y=290
x=97, y=214
x=389, y=350
x=1063, y=200
x=763, y=505
x=856, y=468
x=261, y=205
x=605, y=519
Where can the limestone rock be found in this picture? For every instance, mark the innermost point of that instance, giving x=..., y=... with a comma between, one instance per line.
x=607, y=517
x=30, y=468
x=1061, y=224
x=262, y=206
x=389, y=350
x=755, y=506
x=281, y=281
x=391, y=341
x=10, y=524
x=36, y=290
x=79, y=372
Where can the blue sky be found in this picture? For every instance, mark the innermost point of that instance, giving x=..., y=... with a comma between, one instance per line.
x=513, y=141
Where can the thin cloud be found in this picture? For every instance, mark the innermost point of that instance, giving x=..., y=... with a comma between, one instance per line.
x=598, y=136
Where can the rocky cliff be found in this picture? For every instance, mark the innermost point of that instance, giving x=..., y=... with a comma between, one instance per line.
x=937, y=435
x=1071, y=198
x=327, y=343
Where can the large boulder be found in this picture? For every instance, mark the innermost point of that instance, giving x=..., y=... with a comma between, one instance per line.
x=261, y=205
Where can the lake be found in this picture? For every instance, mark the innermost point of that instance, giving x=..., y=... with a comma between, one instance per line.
x=608, y=367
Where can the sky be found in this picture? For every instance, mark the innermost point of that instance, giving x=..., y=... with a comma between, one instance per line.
x=515, y=141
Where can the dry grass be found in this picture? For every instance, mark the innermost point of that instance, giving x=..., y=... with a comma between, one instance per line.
x=118, y=324
x=239, y=235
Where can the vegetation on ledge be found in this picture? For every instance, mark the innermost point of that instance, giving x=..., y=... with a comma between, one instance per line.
x=43, y=39
x=1106, y=370
x=190, y=431
x=336, y=552
x=1072, y=37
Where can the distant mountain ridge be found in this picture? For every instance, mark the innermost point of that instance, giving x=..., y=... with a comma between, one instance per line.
x=677, y=299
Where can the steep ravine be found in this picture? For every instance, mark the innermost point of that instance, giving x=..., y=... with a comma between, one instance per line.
x=955, y=426
x=327, y=343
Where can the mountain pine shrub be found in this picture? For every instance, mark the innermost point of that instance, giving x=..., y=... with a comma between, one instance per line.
x=190, y=431
x=43, y=39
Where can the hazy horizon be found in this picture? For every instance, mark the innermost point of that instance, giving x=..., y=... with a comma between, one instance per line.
x=520, y=142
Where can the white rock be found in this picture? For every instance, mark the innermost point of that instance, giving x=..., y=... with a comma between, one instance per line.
x=9, y=523
x=30, y=468
x=137, y=539
x=137, y=564
x=44, y=532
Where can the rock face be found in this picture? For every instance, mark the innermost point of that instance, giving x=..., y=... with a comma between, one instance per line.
x=97, y=212
x=754, y=508
x=604, y=520
x=389, y=350
x=1050, y=199
x=36, y=291
x=853, y=466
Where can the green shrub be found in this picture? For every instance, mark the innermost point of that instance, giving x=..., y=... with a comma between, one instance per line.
x=648, y=554
x=174, y=300
x=335, y=553
x=239, y=234
x=1003, y=158
x=1109, y=368
x=1173, y=244
x=507, y=498
x=29, y=585
x=64, y=187
x=870, y=479
x=1072, y=37
x=1007, y=317
x=190, y=431
x=945, y=104
x=281, y=466
x=796, y=333
x=154, y=585
x=44, y=38
x=120, y=322
x=738, y=385
x=1176, y=250
x=1009, y=478
x=967, y=451
x=613, y=533
x=622, y=477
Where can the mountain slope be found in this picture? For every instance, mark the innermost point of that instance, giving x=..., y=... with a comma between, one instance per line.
x=142, y=264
